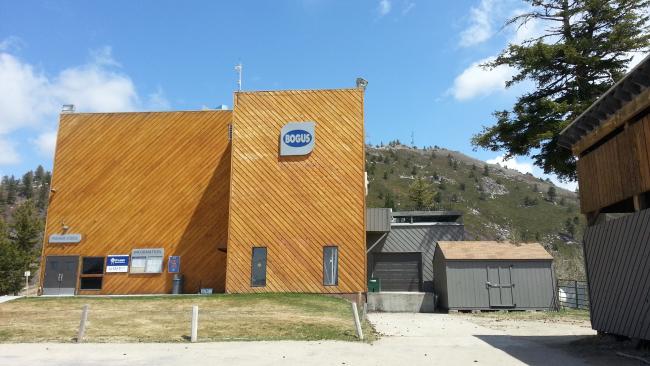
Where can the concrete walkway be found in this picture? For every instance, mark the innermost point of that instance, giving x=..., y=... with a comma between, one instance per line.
x=6, y=298
x=410, y=339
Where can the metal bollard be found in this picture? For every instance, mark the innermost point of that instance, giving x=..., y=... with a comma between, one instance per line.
x=195, y=323
x=357, y=323
x=82, y=324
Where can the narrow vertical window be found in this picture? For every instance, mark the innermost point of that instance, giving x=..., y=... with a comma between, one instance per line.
x=258, y=269
x=330, y=266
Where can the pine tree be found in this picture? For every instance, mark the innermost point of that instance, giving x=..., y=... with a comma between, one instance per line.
x=585, y=49
x=552, y=193
x=27, y=188
x=12, y=190
x=421, y=194
x=27, y=227
x=12, y=263
x=486, y=170
x=39, y=174
x=388, y=201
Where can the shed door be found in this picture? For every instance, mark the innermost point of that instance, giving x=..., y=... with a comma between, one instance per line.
x=398, y=271
x=500, y=286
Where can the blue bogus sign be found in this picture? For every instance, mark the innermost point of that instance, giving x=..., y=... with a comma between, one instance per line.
x=117, y=263
x=297, y=138
x=174, y=264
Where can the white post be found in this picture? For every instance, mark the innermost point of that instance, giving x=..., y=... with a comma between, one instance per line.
x=365, y=311
x=195, y=323
x=357, y=323
x=82, y=324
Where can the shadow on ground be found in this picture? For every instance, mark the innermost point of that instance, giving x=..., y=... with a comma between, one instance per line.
x=592, y=350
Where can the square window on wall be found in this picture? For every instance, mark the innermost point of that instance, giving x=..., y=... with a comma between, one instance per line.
x=258, y=267
x=330, y=266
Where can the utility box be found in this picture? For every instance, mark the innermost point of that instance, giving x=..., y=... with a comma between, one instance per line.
x=374, y=285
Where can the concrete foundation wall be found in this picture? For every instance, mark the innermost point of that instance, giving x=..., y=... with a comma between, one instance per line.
x=401, y=302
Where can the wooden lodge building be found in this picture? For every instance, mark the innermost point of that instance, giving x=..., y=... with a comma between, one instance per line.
x=268, y=197
x=611, y=140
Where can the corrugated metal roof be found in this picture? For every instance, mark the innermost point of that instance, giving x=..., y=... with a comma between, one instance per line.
x=492, y=250
x=426, y=213
x=625, y=90
x=378, y=219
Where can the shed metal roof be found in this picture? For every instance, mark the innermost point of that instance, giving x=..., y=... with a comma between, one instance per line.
x=426, y=213
x=492, y=250
x=625, y=90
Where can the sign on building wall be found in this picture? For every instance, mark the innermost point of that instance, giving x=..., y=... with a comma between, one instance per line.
x=148, y=260
x=174, y=264
x=64, y=238
x=117, y=263
x=297, y=138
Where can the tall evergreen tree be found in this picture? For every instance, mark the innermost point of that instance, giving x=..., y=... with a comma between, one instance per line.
x=12, y=263
x=39, y=174
x=27, y=187
x=421, y=194
x=586, y=48
x=27, y=227
x=12, y=190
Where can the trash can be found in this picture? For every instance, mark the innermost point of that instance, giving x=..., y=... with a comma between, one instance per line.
x=177, y=284
x=374, y=285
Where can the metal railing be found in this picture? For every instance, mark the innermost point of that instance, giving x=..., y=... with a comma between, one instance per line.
x=573, y=294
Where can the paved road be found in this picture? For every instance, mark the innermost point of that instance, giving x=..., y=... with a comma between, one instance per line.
x=410, y=339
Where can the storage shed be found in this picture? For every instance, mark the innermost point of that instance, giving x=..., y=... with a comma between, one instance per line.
x=473, y=275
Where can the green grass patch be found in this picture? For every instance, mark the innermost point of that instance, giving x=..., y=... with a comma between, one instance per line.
x=248, y=317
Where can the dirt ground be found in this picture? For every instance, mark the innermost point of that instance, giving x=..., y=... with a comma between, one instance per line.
x=569, y=331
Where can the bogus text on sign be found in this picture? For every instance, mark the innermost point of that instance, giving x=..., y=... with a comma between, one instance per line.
x=297, y=138
x=117, y=263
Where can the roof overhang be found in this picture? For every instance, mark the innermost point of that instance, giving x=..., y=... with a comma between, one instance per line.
x=633, y=85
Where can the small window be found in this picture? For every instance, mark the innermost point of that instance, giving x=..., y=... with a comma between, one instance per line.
x=92, y=265
x=330, y=266
x=91, y=283
x=258, y=269
x=92, y=273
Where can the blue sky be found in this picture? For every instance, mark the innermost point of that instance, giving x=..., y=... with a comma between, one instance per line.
x=419, y=57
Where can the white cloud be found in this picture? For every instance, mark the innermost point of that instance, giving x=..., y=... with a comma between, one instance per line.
x=384, y=7
x=8, y=153
x=409, y=6
x=30, y=99
x=46, y=143
x=524, y=167
x=636, y=58
x=481, y=24
x=476, y=81
x=512, y=163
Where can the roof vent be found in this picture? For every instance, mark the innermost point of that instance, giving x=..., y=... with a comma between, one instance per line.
x=67, y=108
x=362, y=83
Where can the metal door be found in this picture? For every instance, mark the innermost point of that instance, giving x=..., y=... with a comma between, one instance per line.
x=398, y=271
x=499, y=286
x=60, y=275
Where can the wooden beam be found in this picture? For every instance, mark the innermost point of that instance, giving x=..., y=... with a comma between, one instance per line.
x=626, y=112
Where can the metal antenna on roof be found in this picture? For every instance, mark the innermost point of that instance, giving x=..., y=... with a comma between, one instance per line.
x=239, y=68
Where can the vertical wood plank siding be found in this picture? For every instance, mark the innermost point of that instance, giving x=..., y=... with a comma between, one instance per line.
x=144, y=180
x=295, y=206
x=617, y=256
x=616, y=170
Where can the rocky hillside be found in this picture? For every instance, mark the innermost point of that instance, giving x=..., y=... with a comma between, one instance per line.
x=498, y=203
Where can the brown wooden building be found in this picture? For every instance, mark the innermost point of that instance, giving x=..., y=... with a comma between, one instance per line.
x=269, y=197
x=611, y=140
